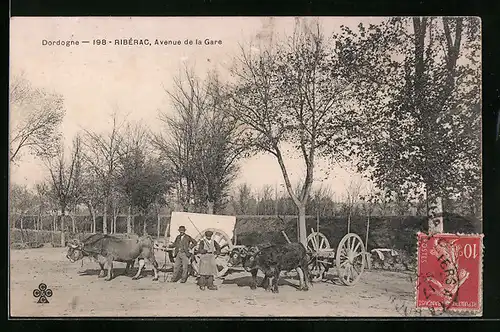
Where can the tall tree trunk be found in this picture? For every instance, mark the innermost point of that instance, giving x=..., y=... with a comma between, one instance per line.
x=105, y=217
x=113, y=221
x=349, y=219
x=302, y=232
x=435, y=213
x=92, y=215
x=144, y=226
x=367, y=231
x=73, y=225
x=158, y=224
x=63, y=228
x=94, y=221
x=54, y=222
x=275, y=199
x=38, y=219
x=210, y=207
x=22, y=226
x=129, y=220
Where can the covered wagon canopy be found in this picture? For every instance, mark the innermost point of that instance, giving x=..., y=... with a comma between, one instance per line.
x=197, y=223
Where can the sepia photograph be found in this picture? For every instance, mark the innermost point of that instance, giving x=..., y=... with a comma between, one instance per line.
x=245, y=167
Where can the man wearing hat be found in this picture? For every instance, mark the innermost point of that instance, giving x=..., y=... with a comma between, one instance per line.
x=183, y=244
x=208, y=249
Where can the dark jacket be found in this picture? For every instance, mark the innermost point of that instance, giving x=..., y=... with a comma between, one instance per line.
x=202, y=249
x=183, y=245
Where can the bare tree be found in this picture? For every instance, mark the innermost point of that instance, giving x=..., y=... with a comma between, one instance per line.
x=21, y=201
x=66, y=179
x=289, y=93
x=102, y=157
x=323, y=201
x=201, y=142
x=265, y=203
x=352, y=197
x=219, y=148
x=244, y=199
x=42, y=191
x=368, y=205
x=180, y=133
x=35, y=117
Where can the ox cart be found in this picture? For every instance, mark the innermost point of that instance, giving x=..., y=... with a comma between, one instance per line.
x=350, y=257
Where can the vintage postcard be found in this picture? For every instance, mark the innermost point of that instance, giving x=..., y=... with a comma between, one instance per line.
x=245, y=167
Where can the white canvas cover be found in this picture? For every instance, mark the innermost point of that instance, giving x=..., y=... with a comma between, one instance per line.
x=198, y=222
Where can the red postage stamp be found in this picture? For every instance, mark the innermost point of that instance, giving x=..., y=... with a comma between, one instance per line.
x=450, y=272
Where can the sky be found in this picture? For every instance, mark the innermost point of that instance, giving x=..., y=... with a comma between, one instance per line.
x=95, y=80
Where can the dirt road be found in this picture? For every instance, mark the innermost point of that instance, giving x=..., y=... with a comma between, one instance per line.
x=78, y=292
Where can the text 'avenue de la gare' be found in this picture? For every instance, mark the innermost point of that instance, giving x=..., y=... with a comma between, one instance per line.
x=134, y=42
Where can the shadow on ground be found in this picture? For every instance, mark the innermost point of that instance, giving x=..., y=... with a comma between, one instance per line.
x=117, y=272
x=246, y=281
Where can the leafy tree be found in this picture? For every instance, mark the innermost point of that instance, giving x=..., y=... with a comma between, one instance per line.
x=151, y=188
x=91, y=195
x=132, y=159
x=289, y=93
x=417, y=83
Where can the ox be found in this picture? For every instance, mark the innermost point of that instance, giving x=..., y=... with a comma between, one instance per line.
x=105, y=249
x=271, y=260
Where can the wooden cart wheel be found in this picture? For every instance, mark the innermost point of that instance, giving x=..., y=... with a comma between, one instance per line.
x=222, y=260
x=351, y=259
x=317, y=242
x=220, y=237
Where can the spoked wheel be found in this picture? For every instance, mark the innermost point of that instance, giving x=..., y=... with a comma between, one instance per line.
x=222, y=260
x=220, y=237
x=316, y=243
x=351, y=259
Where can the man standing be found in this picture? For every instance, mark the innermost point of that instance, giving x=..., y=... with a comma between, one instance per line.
x=208, y=249
x=183, y=244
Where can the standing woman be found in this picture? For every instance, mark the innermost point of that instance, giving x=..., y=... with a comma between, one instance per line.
x=208, y=249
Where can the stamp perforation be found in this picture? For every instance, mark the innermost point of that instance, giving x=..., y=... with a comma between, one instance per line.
x=450, y=308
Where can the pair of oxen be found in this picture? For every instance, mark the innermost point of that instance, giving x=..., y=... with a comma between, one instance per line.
x=271, y=259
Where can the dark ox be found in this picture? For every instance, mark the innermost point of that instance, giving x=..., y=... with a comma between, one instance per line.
x=271, y=260
x=106, y=249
